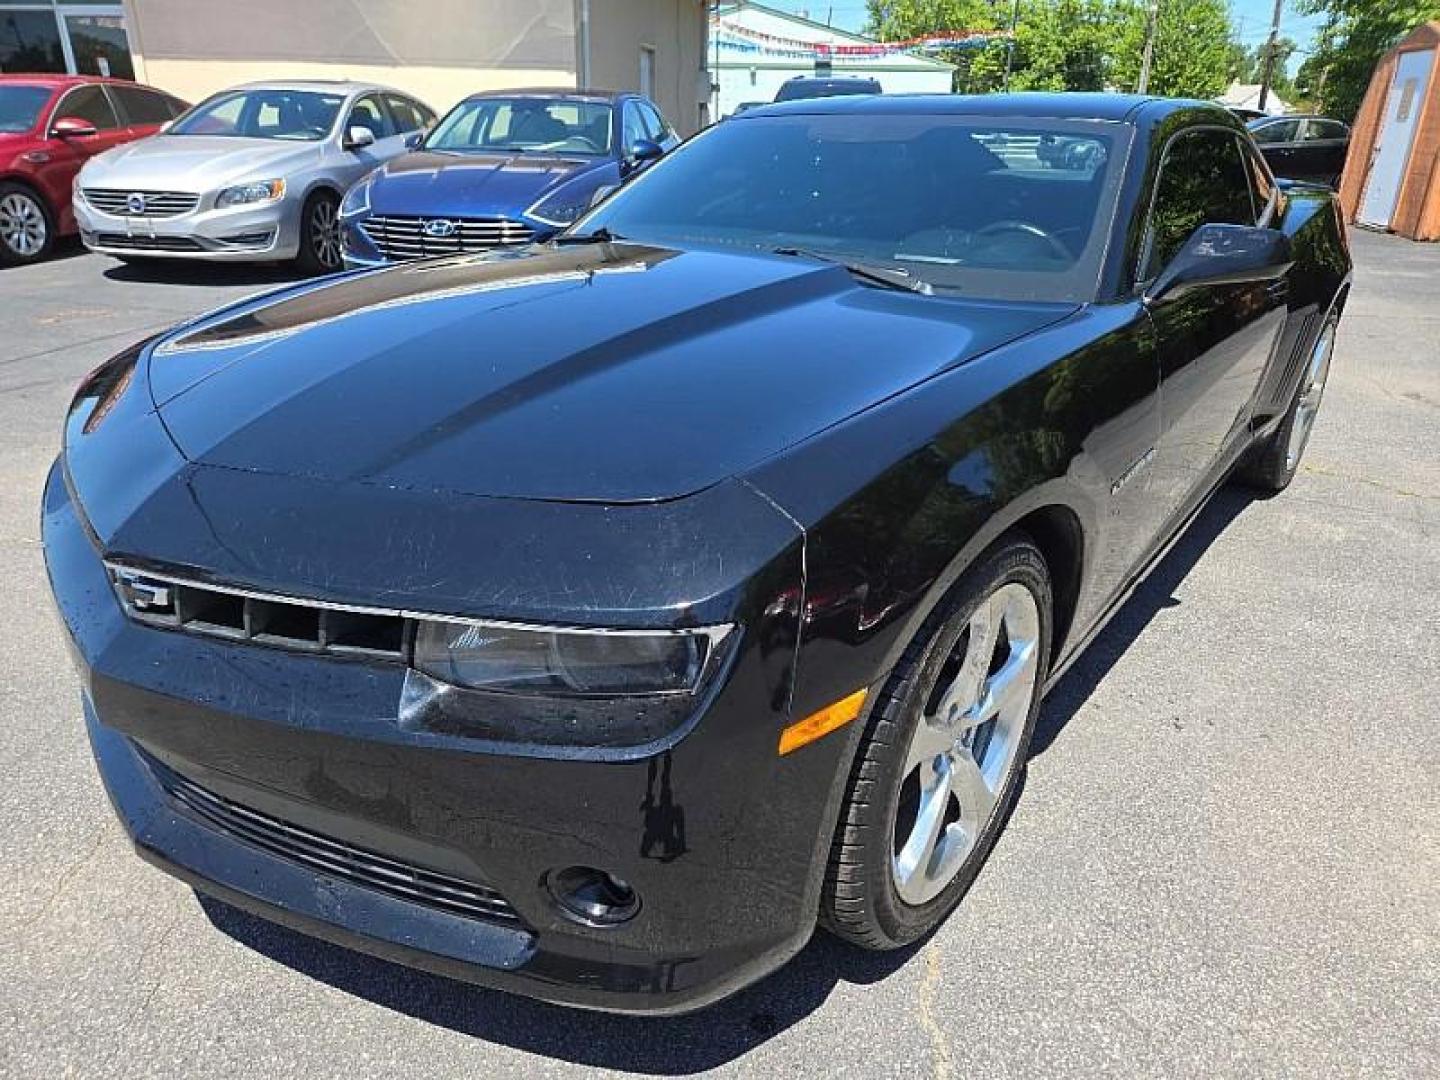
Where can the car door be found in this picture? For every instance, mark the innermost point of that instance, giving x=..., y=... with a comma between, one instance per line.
x=69, y=154
x=1214, y=341
x=143, y=111
x=1322, y=148
x=1279, y=142
x=367, y=111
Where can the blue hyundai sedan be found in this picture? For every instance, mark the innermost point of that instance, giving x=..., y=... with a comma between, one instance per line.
x=500, y=169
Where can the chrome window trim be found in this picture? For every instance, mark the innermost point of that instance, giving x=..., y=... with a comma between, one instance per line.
x=714, y=634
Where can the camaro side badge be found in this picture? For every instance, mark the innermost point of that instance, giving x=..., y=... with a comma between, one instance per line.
x=1135, y=466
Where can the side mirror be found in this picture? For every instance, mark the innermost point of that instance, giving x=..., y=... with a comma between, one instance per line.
x=414, y=139
x=72, y=127
x=1223, y=255
x=357, y=138
x=643, y=150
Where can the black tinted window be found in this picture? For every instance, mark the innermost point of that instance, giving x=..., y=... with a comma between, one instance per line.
x=1203, y=181
x=1277, y=132
x=142, y=106
x=948, y=199
x=1316, y=130
x=89, y=103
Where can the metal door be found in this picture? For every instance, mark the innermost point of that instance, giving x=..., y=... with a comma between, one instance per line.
x=1403, y=106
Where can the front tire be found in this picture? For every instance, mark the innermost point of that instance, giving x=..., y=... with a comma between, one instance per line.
x=320, y=245
x=1270, y=466
x=942, y=755
x=27, y=230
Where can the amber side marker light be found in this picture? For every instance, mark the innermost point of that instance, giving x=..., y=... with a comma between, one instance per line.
x=803, y=732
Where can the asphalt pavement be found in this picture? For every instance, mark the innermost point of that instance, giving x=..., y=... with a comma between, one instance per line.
x=1225, y=861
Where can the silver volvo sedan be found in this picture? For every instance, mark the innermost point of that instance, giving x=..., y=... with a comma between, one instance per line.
x=249, y=175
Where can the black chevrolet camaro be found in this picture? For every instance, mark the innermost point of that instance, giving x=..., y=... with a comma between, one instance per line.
x=589, y=620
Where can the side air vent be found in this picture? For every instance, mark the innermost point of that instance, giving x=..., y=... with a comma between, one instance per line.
x=212, y=611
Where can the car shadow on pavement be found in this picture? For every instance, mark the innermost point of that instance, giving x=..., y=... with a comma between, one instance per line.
x=666, y=1046
x=1155, y=593
x=723, y=1032
x=194, y=272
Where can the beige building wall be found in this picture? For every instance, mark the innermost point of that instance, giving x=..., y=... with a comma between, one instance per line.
x=438, y=50
x=674, y=31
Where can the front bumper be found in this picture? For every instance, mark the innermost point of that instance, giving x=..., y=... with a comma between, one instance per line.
x=234, y=234
x=724, y=841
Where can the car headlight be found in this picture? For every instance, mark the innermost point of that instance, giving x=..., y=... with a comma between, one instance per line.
x=561, y=208
x=565, y=661
x=357, y=200
x=261, y=191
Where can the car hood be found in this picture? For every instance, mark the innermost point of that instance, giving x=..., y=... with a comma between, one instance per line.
x=458, y=185
x=606, y=373
x=194, y=162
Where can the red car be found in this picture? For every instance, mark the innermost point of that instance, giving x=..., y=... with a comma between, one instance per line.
x=50, y=125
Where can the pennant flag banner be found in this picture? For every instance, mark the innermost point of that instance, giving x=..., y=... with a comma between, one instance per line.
x=737, y=38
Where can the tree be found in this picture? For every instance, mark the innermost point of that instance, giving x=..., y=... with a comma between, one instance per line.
x=1074, y=44
x=1351, y=41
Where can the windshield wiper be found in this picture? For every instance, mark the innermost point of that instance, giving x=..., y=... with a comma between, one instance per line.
x=889, y=276
x=601, y=235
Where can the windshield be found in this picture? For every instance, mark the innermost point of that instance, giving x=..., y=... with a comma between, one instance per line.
x=299, y=115
x=524, y=125
x=20, y=107
x=1012, y=210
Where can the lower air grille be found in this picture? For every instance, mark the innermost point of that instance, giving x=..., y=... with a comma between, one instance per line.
x=335, y=858
x=214, y=611
x=146, y=243
x=400, y=237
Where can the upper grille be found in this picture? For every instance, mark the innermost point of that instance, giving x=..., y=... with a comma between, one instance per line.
x=405, y=237
x=235, y=614
x=335, y=858
x=157, y=203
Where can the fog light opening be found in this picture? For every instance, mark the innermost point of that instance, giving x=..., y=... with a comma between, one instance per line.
x=593, y=897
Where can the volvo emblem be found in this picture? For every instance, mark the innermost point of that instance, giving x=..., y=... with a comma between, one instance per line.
x=439, y=228
x=135, y=202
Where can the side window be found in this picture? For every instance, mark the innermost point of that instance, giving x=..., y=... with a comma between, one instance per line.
x=1262, y=184
x=631, y=129
x=1277, y=132
x=1316, y=130
x=368, y=112
x=407, y=116
x=89, y=103
x=1203, y=181
x=142, y=107
x=655, y=127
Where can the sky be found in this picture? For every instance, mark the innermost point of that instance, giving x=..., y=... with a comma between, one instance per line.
x=1251, y=18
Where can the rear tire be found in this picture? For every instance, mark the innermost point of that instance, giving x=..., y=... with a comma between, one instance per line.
x=933, y=782
x=320, y=250
x=1271, y=465
x=27, y=228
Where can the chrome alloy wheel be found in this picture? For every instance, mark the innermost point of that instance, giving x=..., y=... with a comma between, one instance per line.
x=22, y=225
x=964, y=747
x=1307, y=406
x=325, y=234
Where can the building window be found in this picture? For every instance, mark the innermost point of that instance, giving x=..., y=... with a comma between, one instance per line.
x=647, y=70
x=41, y=37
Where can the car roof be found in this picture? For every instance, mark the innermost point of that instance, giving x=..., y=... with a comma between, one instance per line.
x=54, y=81
x=1116, y=108
x=336, y=86
x=555, y=92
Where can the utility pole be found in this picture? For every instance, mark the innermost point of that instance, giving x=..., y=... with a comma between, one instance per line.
x=1148, y=56
x=1010, y=44
x=1270, y=46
